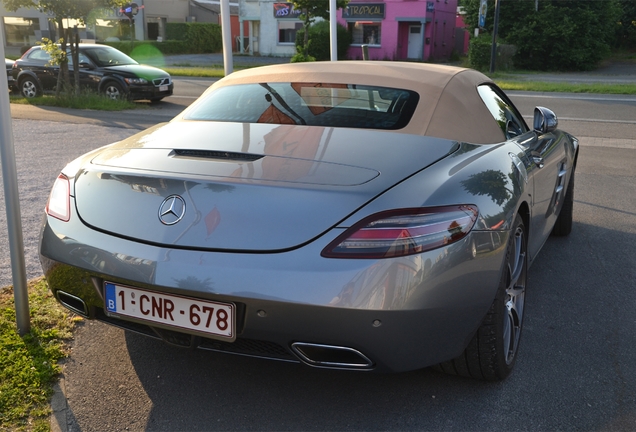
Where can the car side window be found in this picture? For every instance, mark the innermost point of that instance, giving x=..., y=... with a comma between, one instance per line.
x=83, y=59
x=39, y=55
x=504, y=112
x=81, y=56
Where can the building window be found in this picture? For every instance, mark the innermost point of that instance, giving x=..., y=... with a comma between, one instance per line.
x=366, y=33
x=287, y=31
x=21, y=31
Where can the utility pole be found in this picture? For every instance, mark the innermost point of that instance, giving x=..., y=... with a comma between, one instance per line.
x=493, y=52
x=333, y=30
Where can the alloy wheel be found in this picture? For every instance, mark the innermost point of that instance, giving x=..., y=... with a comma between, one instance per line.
x=113, y=91
x=29, y=89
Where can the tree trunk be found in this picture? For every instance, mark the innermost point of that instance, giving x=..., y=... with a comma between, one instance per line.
x=306, y=40
x=76, y=65
x=63, y=78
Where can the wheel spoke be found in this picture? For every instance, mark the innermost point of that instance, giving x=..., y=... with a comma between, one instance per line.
x=519, y=258
x=515, y=296
x=507, y=337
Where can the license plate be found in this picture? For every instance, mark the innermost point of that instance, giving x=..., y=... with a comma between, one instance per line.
x=200, y=316
x=163, y=88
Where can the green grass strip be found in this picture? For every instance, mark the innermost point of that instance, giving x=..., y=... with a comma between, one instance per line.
x=202, y=72
x=564, y=87
x=83, y=101
x=29, y=364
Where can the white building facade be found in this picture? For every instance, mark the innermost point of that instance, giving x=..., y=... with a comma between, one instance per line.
x=272, y=27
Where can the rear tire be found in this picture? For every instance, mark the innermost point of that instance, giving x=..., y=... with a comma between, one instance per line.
x=563, y=225
x=29, y=87
x=492, y=352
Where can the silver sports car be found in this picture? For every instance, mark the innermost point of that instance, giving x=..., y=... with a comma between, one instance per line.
x=348, y=215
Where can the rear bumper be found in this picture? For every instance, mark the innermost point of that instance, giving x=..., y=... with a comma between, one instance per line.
x=400, y=314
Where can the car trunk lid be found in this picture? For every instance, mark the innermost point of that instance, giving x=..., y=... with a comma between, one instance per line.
x=243, y=187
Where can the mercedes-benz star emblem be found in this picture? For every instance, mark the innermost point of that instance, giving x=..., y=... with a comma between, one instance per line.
x=172, y=210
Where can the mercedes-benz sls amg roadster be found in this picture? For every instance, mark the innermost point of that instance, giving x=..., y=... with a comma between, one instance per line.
x=349, y=215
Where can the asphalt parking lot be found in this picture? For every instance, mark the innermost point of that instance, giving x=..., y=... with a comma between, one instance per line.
x=576, y=370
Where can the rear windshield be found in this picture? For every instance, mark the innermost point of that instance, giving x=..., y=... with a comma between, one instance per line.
x=314, y=104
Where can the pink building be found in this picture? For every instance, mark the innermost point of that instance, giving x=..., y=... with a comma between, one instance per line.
x=401, y=29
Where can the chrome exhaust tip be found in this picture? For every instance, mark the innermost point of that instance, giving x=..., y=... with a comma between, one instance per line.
x=72, y=302
x=332, y=357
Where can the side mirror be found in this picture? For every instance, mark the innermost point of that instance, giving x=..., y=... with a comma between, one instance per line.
x=84, y=65
x=545, y=120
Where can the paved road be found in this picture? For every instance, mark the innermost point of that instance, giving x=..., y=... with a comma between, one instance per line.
x=576, y=366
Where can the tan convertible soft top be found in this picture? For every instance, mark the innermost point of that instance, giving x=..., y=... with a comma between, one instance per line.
x=449, y=105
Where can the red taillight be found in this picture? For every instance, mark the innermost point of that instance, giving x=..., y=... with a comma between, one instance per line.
x=59, y=204
x=403, y=232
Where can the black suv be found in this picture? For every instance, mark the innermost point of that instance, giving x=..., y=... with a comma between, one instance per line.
x=101, y=68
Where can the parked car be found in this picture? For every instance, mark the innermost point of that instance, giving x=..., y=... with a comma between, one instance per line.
x=8, y=63
x=101, y=68
x=349, y=215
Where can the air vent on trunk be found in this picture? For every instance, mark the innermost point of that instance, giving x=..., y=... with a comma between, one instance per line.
x=219, y=155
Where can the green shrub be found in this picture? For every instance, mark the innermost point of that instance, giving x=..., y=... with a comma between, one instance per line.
x=479, y=52
x=562, y=38
x=320, y=46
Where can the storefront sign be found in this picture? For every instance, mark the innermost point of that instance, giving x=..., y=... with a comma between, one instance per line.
x=286, y=10
x=364, y=10
x=430, y=6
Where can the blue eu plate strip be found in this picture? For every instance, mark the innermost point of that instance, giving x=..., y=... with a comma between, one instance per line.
x=111, y=301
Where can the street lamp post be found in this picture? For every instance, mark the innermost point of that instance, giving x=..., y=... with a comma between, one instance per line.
x=226, y=37
x=12, y=203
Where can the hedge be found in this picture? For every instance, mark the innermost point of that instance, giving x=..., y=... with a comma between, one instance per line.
x=165, y=47
x=199, y=37
x=182, y=38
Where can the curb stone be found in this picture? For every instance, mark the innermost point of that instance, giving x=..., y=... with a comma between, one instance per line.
x=59, y=406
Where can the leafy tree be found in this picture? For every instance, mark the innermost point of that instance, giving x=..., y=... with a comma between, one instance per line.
x=313, y=9
x=60, y=10
x=560, y=35
x=320, y=46
x=511, y=14
x=566, y=35
x=54, y=50
x=626, y=31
